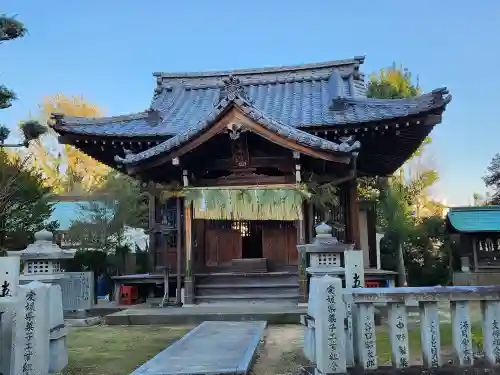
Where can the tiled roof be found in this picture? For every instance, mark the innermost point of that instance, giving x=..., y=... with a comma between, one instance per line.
x=475, y=219
x=285, y=131
x=324, y=94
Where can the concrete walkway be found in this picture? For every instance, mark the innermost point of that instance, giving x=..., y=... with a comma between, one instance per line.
x=210, y=348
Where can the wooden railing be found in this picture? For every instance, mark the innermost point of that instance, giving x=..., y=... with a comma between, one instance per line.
x=334, y=344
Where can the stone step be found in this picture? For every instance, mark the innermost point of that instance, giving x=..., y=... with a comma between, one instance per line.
x=247, y=289
x=252, y=285
x=249, y=298
x=262, y=279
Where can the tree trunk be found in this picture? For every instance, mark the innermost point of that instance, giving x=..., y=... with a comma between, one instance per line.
x=401, y=266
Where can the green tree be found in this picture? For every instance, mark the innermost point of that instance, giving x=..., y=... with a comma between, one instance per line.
x=404, y=205
x=11, y=29
x=24, y=202
x=390, y=83
x=492, y=179
x=397, y=221
x=130, y=201
x=402, y=201
x=66, y=168
x=429, y=252
x=119, y=203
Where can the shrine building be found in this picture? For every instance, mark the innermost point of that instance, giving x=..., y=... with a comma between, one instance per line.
x=243, y=145
x=475, y=234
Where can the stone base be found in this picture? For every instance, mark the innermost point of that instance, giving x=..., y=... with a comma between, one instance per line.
x=58, y=355
x=84, y=322
x=188, y=291
x=476, y=278
x=303, y=292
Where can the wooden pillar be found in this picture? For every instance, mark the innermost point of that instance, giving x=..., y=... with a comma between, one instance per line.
x=474, y=252
x=353, y=234
x=188, y=237
x=302, y=263
x=371, y=221
x=151, y=225
x=178, y=225
x=310, y=222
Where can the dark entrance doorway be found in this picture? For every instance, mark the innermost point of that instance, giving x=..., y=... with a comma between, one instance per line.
x=251, y=238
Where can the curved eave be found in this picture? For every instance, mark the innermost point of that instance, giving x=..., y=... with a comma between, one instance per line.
x=358, y=112
x=136, y=125
x=388, y=148
x=272, y=130
x=471, y=220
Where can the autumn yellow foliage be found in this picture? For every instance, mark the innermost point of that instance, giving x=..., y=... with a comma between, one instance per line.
x=67, y=169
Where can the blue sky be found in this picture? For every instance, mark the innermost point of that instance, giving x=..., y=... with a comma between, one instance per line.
x=106, y=51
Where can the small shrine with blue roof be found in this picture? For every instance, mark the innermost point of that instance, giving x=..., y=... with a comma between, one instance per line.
x=477, y=230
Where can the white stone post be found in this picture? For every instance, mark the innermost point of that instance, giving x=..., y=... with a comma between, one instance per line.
x=329, y=321
x=58, y=347
x=354, y=278
x=398, y=331
x=9, y=276
x=378, y=238
x=9, y=281
x=8, y=306
x=491, y=330
x=365, y=339
x=30, y=354
x=309, y=332
x=429, y=334
x=462, y=334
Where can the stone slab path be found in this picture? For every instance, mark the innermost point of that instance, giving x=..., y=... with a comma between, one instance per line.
x=211, y=348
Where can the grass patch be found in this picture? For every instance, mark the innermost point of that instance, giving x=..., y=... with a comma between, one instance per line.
x=116, y=350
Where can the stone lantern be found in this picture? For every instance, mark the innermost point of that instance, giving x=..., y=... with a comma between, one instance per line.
x=326, y=253
x=42, y=259
x=328, y=257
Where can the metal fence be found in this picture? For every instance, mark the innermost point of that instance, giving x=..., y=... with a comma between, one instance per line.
x=77, y=290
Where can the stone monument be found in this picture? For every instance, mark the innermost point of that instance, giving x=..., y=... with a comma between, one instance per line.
x=30, y=326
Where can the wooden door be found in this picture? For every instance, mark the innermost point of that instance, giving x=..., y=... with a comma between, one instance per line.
x=222, y=245
x=279, y=245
